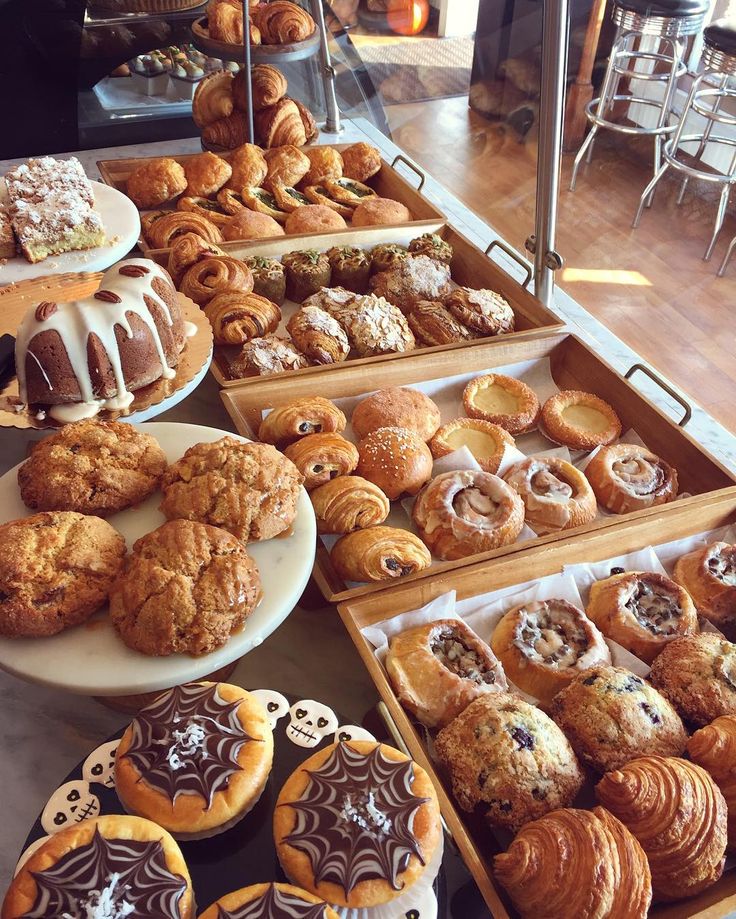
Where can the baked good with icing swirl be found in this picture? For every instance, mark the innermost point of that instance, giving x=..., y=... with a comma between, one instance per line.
x=414, y=278
x=628, y=478
x=503, y=400
x=307, y=272
x=318, y=335
x=433, y=324
x=437, y=669
x=709, y=576
x=238, y=316
x=267, y=355
x=396, y=407
x=395, y=459
x=486, y=441
x=579, y=420
x=556, y=495
x=379, y=553
x=269, y=901
x=349, y=503
x=321, y=457
x=714, y=749
x=483, y=311
x=215, y=274
x=308, y=415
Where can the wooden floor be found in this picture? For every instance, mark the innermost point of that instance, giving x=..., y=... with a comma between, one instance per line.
x=649, y=286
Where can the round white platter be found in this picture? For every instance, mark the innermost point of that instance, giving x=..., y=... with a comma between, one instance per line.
x=91, y=659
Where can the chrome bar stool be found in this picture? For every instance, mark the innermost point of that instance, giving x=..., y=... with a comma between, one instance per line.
x=706, y=96
x=670, y=22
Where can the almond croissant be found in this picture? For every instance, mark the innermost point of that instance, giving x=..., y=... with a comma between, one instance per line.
x=237, y=317
x=318, y=335
x=714, y=748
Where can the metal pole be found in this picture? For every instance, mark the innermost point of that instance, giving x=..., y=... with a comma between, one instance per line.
x=332, y=122
x=248, y=76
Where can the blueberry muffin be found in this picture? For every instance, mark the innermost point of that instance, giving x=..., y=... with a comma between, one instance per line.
x=611, y=716
x=507, y=756
x=697, y=674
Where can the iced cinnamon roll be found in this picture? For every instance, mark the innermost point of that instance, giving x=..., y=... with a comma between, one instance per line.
x=627, y=478
x=556, y=495
x=709, y=576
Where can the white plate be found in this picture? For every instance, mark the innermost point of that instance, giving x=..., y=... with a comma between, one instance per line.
x=122, y=227
x=91, y=659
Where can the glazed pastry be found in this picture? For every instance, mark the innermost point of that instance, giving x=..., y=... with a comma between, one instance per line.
x=320, y=337
x=714, y=749
x=228, y=133
x=361, y=161
x=396, y=407
x=325, y=165
x=237, y=316
x=155, y=182
x=321, y=457
x=642, y=611
x=249, y=167
x=375, y=212
x=350, y=268
x=374, y=326
x=433, y=324
x=213, y=100
x=556, y=495
x=248, y=224
x=579, y=420
x=294, y=420
x=544, y=644
x=306, y=272
x=709, y=576
x=225, y=24
x=628, y=478
x=163, y=232
x=346, y=191
x=439, y=668
x=463, y=513
x=210, y=210
x=268, y=86
x=288, y=198
x=314, y=218
x=269, y=279
x=503, y=400
x=433, y=245
x=576, y=863
x=282, y=23
x=269, y=901
x=215, y=274
x=677, y=813
x=258, y=199
x=318, y=194
x=349, y=503
x=287, y=165
x=267, y=355
x=387, y=255
x=697, y=674
x=611, y=716
x=379, y=553
x=395, y=459
x=415, y=278
x=507, y=756
x=185, y=251
x=485, y=440
x=206, y=173
x=483, y=311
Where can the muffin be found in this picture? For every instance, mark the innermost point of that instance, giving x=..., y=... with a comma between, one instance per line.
x=351, y=268
x=306, y=273
x=387, y=255
x=269, y=279
x=611, y=716
x=269, y=901
x=507, y=756
x=396, y=407
x=433, y=245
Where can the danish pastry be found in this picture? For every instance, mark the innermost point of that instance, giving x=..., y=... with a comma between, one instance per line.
x=210, y=210
x=415, y=278
x=269, y=279
x=433, y=245
x=351, y=268
x=155, y=182
x=396, y=407
x=361, y=161
x=579, y=420
x=289, y=198
x=373, y=212
x=714, y=749
x=349, y=503
x=206, y=173
x=267, y=355
x=314, y=218
x=231, y=201
x=213, y=98
x=287, y=165
x=308, y=415
x=503, y=400
x=485, y=440
x=627, y=478
x=237, y=316
x=318, y=335
x=484, y=311
x=306, y=272
x=709, y=576
x=251, y=225
x=258, y=199
x=317, y=194
x=249, y=167
x=325, y=165
x=214, y=274
x=346, y=191
x=379, y=553
x=321, y=457
x=187, y=250
x=556, y=495
x=281, y=125
x=164, y=231
x=395, y=459
x=433, y=324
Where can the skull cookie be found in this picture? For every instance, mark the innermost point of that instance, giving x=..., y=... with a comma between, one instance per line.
x=99, y=765
x=351, y=732
x=275, y=704
x=310, y=722
x=70, y=804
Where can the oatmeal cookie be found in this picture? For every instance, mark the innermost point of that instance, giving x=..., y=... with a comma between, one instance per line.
x=55, y=571
x=93, y=467
x=249, y=489
x=185, y=589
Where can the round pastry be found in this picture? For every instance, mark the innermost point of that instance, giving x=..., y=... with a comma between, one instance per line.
x=714, y=749
x=642, y=611
x=185, y=588
x=387, y=255
x=556, y=495
x=251, y=225
x=465, y=512
x=93, y=467
x=289, y=198
x=215, y=274
x=318, y=194
x=206, y=174
x=709, y=576
x=269, y=278
x=677, y=813
x=439, y=668
x=307, y=272
x=196, y=759
x=325, y=164
x=485, y=440
x=351, y=268
x=502, y=400
x=433, y=245
x=415, y=278
x=113, y=865
x=396, y=407
x=357, y=824
x=576, y=863
x=269, y=901
x=314, y=218
x=287, y=165
x=611, y=716
x=186, y=250
x=697, y=674
x=165, y=230
x=348, y=191
x=249, y=166
x=484, y=311
x=267, y=355
x=258, y=199
x=509, y=757
x=361, y=161
x=321, y=457
x=579, y=420
x=318, y=335
x=434, y=325
x=260, y=484
x=300, y=417
x=627, y=478
x=210, y=210
x=349, y=503
x=376, y=211
x=544, y=644
x=56, y=569
x=237, y=316
x=155, y=182
x=379, y=553
x=395, y=459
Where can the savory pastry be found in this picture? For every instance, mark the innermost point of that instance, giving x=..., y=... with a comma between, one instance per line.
x=92, y=467
x=155, y=182
x=611, y=716
x=325, y=165
x=320, y=337
x=576, y=863
x=185, y=589
x=627, y=478
x=697, y=673
x=215, y=274
x=642, y=611
x=373, y=325
x=321, y=457
x=544, y=644
x=237, y=316
x=556, y=495
x=249, y=167
x=677, y=813
x=395, y=459
x=227, y=133
x=465, y=512
x=164, y=231
x=376, y=211
x=289, y=198
x=293, y=420
x=210, y=210
x=267, y=355
x=318, y=194
x=196, y=759
x=379, y=553
x=56, y=569
x=230, y=201
x=269, y=278
x=258, y=199
x=434, y=325
x=261, y=485
x=268, y=86
x=347, y=191
x=439, y=668
x=349, y=503
x=361, y=161
x=248, y=224
x=206, y=173
x=396, y=407
x=387, y=255
x=714, y=749
x=267, y=900
x=507, y=756
x=185, y=251
x=503, y=400
x=415, y=278
x=433, y=245
x=351, y=268
x=579, y=420
x=314, y=218
x=282, y=23
x=282, y=125
x=709, y=576
x=307, y=272
x=483, y=311
x=485, y=440
x=287, y=165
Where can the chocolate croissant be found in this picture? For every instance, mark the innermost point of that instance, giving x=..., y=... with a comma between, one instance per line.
x=576, y=863
x=238, y=316
x=318, y=335
x=379, y=553
x=186, y=251
x=213, y=274
x=349, y=503
x=714, y=748
x=308, y=415
x=678, y=814
x=321, y=457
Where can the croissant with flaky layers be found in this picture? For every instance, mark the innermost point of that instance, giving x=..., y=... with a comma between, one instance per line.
x=294, y=420
x=282, y=22
x=165, y=230
x=186, y=251
x=280, y=125
x=714, y=748
x=238, y=316
x=379, y=553
x=678, y=814
x=321, y=457
x=319, y=335
x=215, y=273
x=268, y=85
x=349, y=503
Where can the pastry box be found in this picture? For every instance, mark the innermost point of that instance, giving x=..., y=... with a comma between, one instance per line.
x=550, y=363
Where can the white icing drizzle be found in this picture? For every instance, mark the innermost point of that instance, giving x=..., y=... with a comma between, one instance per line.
x=104, y=904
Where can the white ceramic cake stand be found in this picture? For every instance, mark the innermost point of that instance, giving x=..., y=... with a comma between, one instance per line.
x=91, y=659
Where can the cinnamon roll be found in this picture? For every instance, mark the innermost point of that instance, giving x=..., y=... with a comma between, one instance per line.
x=164, y=231
x=465, y=512
x=556, y=495
x=503, y=400
x=318, y=335
x=714, y=749
x=321, y=457
x=308, y=415
x=379, y=554
x=349, y=503
x=579, y=420
x=628, y=478
x=237, y=316
x=485, y=440
x=709, y=576
x=213, y=274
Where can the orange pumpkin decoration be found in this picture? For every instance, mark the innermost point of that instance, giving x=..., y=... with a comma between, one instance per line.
x=407, y=17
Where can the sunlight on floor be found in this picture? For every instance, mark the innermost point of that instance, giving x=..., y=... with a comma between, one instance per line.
x=604, y=276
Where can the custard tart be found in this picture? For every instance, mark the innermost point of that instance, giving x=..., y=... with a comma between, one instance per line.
x=502, y=400
x=579, y=420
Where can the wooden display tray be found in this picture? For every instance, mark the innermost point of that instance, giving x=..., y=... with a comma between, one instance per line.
x=574, y=365
x=476, y=843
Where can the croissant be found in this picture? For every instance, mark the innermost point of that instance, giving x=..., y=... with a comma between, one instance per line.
x=576, y=863
x=310, y=125
x=268, y=86
x=714, y=749
x=321, y=457
x=238, y=316
x=165, y=230
x=349, y=503
x=225, y=23
x=226, y=132
x=308, y=415
x=185, y=251
x=678, y=814
x=213, y=274
x=379, y=553
x=282, y=22
x=280, y=124
x=213, y=98
x=318, y=335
